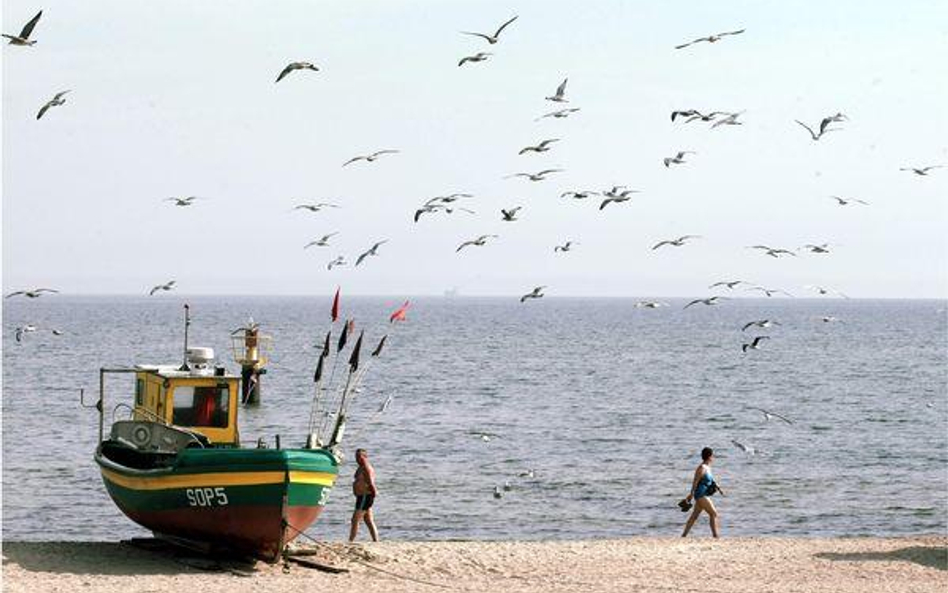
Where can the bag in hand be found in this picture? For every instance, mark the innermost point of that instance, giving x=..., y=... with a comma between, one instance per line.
x=684, y=505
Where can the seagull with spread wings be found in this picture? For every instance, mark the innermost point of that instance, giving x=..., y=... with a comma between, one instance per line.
x=480, y=56
x=370, y=158
x=847, y=201
x=166, y=286
x=188, y=201
x=816, y=135
x=614, y=195
x=708, y=301
x=478, y=242
x=314, y=207
x=679, y=242
x=710, y=38
x=770, y=291
x=729, y=283
x=921, y=171
x=755, y=344
x=491, y=39
x=768, y=415
x=296, y=66
x=541, y=147
x=678, y=159
x=321, y=242
x=568, y=246
x=761, y=323
x=579, y=195
x=559, y=114
x=56, y=101
x=339, y=261
x=34, y=293
x=560, y=95
x=772, y=251
x=538, y=176
x=372, y=251
x=510, y=215
x=536, y=293
x=24, y=37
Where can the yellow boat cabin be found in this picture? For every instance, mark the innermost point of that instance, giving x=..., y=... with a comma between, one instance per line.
x=198, y=397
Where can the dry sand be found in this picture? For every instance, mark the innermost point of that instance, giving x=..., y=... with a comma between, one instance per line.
x=742, y=565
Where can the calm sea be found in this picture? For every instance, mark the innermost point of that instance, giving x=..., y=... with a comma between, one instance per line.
x=608, y=404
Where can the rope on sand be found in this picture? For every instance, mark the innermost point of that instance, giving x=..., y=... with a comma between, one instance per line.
x=367, y=564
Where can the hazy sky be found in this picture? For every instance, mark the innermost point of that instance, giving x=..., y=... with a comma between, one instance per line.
x=178, y=98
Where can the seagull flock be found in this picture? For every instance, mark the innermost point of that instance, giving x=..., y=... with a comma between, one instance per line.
x=449, y=203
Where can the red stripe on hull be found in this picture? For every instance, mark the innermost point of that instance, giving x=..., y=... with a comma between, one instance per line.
x=256, y=531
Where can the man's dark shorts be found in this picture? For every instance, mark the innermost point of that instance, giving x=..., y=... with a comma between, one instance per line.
x=364, y=502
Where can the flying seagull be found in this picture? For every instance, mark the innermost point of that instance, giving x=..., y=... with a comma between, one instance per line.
x=296, y=66
x=339, y=261
x=770, y=291
x=768, y=415
x=321, y=242
x=730, y=120
x=710, y=38
x=816, y=135
x=539, y=176
x=826, y=291
x=370, y=158
x=568, y=246
x=822, y=248
x=372, y=251
x=480, y=56
x=650, y=305
x=829, y=119
x=541, y=147
x=536, y=293
x=166, y=286
x=755, y=345
x=24, y=37
x=478, y=242
x=678, y=159
x=510, y=215
x=20, y=331
x=745, y=448
x=314, y=207
x=559, y=96
x=729, y=283
x=618, y=198
x=679, y=242
x=578, y=195
x=773, y=252
x=762, y=323
x=56, y=101
x=708, y=301
x=448, y=199
x=188, y=201
x=559, y=114
x=694, y=114
x=491, y=39
x=921, y=171
x=34, y=293
x=846, y=201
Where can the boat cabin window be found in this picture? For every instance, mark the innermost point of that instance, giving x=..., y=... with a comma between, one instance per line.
x=139, y=392
x=201, y=406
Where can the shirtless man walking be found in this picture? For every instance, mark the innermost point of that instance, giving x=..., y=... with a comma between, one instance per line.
x=363, y=486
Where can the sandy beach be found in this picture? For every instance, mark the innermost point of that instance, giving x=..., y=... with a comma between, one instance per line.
x=637, y=564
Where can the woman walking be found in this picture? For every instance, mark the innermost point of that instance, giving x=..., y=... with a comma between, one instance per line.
x=702, y=487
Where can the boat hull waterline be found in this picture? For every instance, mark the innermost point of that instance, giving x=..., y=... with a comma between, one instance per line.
x=248, y=501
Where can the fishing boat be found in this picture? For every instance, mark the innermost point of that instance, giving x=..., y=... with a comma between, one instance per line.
x=175, y=464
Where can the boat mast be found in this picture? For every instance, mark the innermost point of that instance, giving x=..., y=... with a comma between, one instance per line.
x=187, y=324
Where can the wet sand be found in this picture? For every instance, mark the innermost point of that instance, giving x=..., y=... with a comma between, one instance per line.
x=638, y=564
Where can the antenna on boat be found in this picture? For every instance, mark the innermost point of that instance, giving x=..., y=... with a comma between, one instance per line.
x=187, y=324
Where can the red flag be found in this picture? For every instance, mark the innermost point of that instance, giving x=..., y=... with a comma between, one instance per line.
x=399, y=315
x=335, y=306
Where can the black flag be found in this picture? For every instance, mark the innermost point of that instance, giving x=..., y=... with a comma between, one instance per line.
x=325, y=352
x=319, y=370
x=378, y=349
x=343, y=337
x=354, y=358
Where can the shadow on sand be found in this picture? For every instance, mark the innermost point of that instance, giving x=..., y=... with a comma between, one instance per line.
x=106, y=558
x=932, y=557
